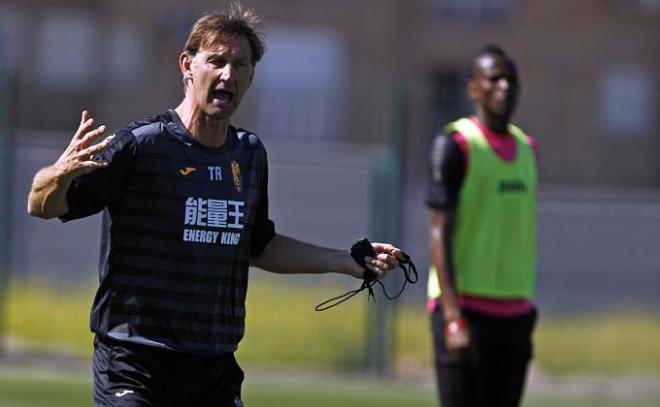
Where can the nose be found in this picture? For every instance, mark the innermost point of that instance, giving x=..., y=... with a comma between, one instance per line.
x=504, y=84
x=226, y=72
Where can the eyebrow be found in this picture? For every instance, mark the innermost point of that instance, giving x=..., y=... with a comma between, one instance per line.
x=226, y=54
x=216, y=54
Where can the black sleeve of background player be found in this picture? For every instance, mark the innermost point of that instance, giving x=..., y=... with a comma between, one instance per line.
x=446, y=173
x=90, y=193
x=264, y=228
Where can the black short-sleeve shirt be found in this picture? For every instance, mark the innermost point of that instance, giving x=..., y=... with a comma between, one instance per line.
x=180, y=222
x=447, y=170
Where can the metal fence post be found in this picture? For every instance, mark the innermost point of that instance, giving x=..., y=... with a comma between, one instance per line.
x=6, y=167
x=385, y=226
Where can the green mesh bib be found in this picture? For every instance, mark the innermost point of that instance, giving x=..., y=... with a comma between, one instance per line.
x=494, y=241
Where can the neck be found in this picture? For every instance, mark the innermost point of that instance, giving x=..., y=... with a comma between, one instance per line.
x=206, y=130
x=497, y=124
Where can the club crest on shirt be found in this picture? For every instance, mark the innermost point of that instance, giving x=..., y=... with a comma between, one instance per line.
x=236, y=173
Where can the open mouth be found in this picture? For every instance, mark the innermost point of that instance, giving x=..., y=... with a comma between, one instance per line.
x=222, y=96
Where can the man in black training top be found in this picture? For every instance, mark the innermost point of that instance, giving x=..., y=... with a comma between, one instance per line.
x=184, y=197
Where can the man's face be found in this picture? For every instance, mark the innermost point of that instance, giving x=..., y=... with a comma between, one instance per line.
x=221, y=73
x=494, y=86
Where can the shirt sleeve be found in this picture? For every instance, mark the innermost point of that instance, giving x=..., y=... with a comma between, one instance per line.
x=447, y=169
x=90, y=193
x=535, y=148
x=264, y=228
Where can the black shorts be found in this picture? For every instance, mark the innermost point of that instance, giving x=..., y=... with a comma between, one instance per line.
x=133, y=375
x=492, y=370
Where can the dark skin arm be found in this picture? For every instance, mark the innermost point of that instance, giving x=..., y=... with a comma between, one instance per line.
x=441, y=226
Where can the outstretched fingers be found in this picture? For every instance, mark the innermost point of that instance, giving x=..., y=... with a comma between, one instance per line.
x=90, y=136
x=84, y=116
x=86, y=155
x=86, y=135
x=85, y=125
x=79, y=157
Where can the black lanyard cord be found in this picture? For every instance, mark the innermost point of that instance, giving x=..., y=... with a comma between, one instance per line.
x=409, y=273
x=368, y=281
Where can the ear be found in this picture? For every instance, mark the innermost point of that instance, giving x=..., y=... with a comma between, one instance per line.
x=472, y=90
x=252, y=75
x=185, y=63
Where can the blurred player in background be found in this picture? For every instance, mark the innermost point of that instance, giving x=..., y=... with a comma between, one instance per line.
x=184, y=196
x=482, y=238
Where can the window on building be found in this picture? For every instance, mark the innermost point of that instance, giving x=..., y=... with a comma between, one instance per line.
x=626, y=100
x=66, y=54
x=448, y=99
x=128, y=52
x=649, y=6
x=475, y=10
x=10, y=41
x=300, y=85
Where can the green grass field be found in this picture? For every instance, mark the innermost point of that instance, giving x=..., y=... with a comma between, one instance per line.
x=24, y=389
x=281, y=321
x=284, y=330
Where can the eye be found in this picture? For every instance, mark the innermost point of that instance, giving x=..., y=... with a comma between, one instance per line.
x=219, y=62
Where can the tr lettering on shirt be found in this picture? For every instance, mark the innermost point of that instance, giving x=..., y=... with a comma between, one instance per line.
x=215, y=173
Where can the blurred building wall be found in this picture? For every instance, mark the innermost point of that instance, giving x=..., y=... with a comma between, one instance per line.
x=589, y=74
x=324, y=94
x=590, y=71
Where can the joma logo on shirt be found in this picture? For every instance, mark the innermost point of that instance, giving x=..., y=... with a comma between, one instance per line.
x=187, y=170
x=511, y=186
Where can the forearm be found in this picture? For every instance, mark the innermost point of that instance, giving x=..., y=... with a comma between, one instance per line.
x=440, y=233
x=47, y=198
x=448, y=300
x=290, y=256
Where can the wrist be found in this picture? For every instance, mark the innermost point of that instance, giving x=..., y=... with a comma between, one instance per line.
x=340, y=261
x=60, y=175
x=453, y=326
x=450, y=311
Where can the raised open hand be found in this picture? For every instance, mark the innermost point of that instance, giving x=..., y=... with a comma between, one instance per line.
x=78, y=158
